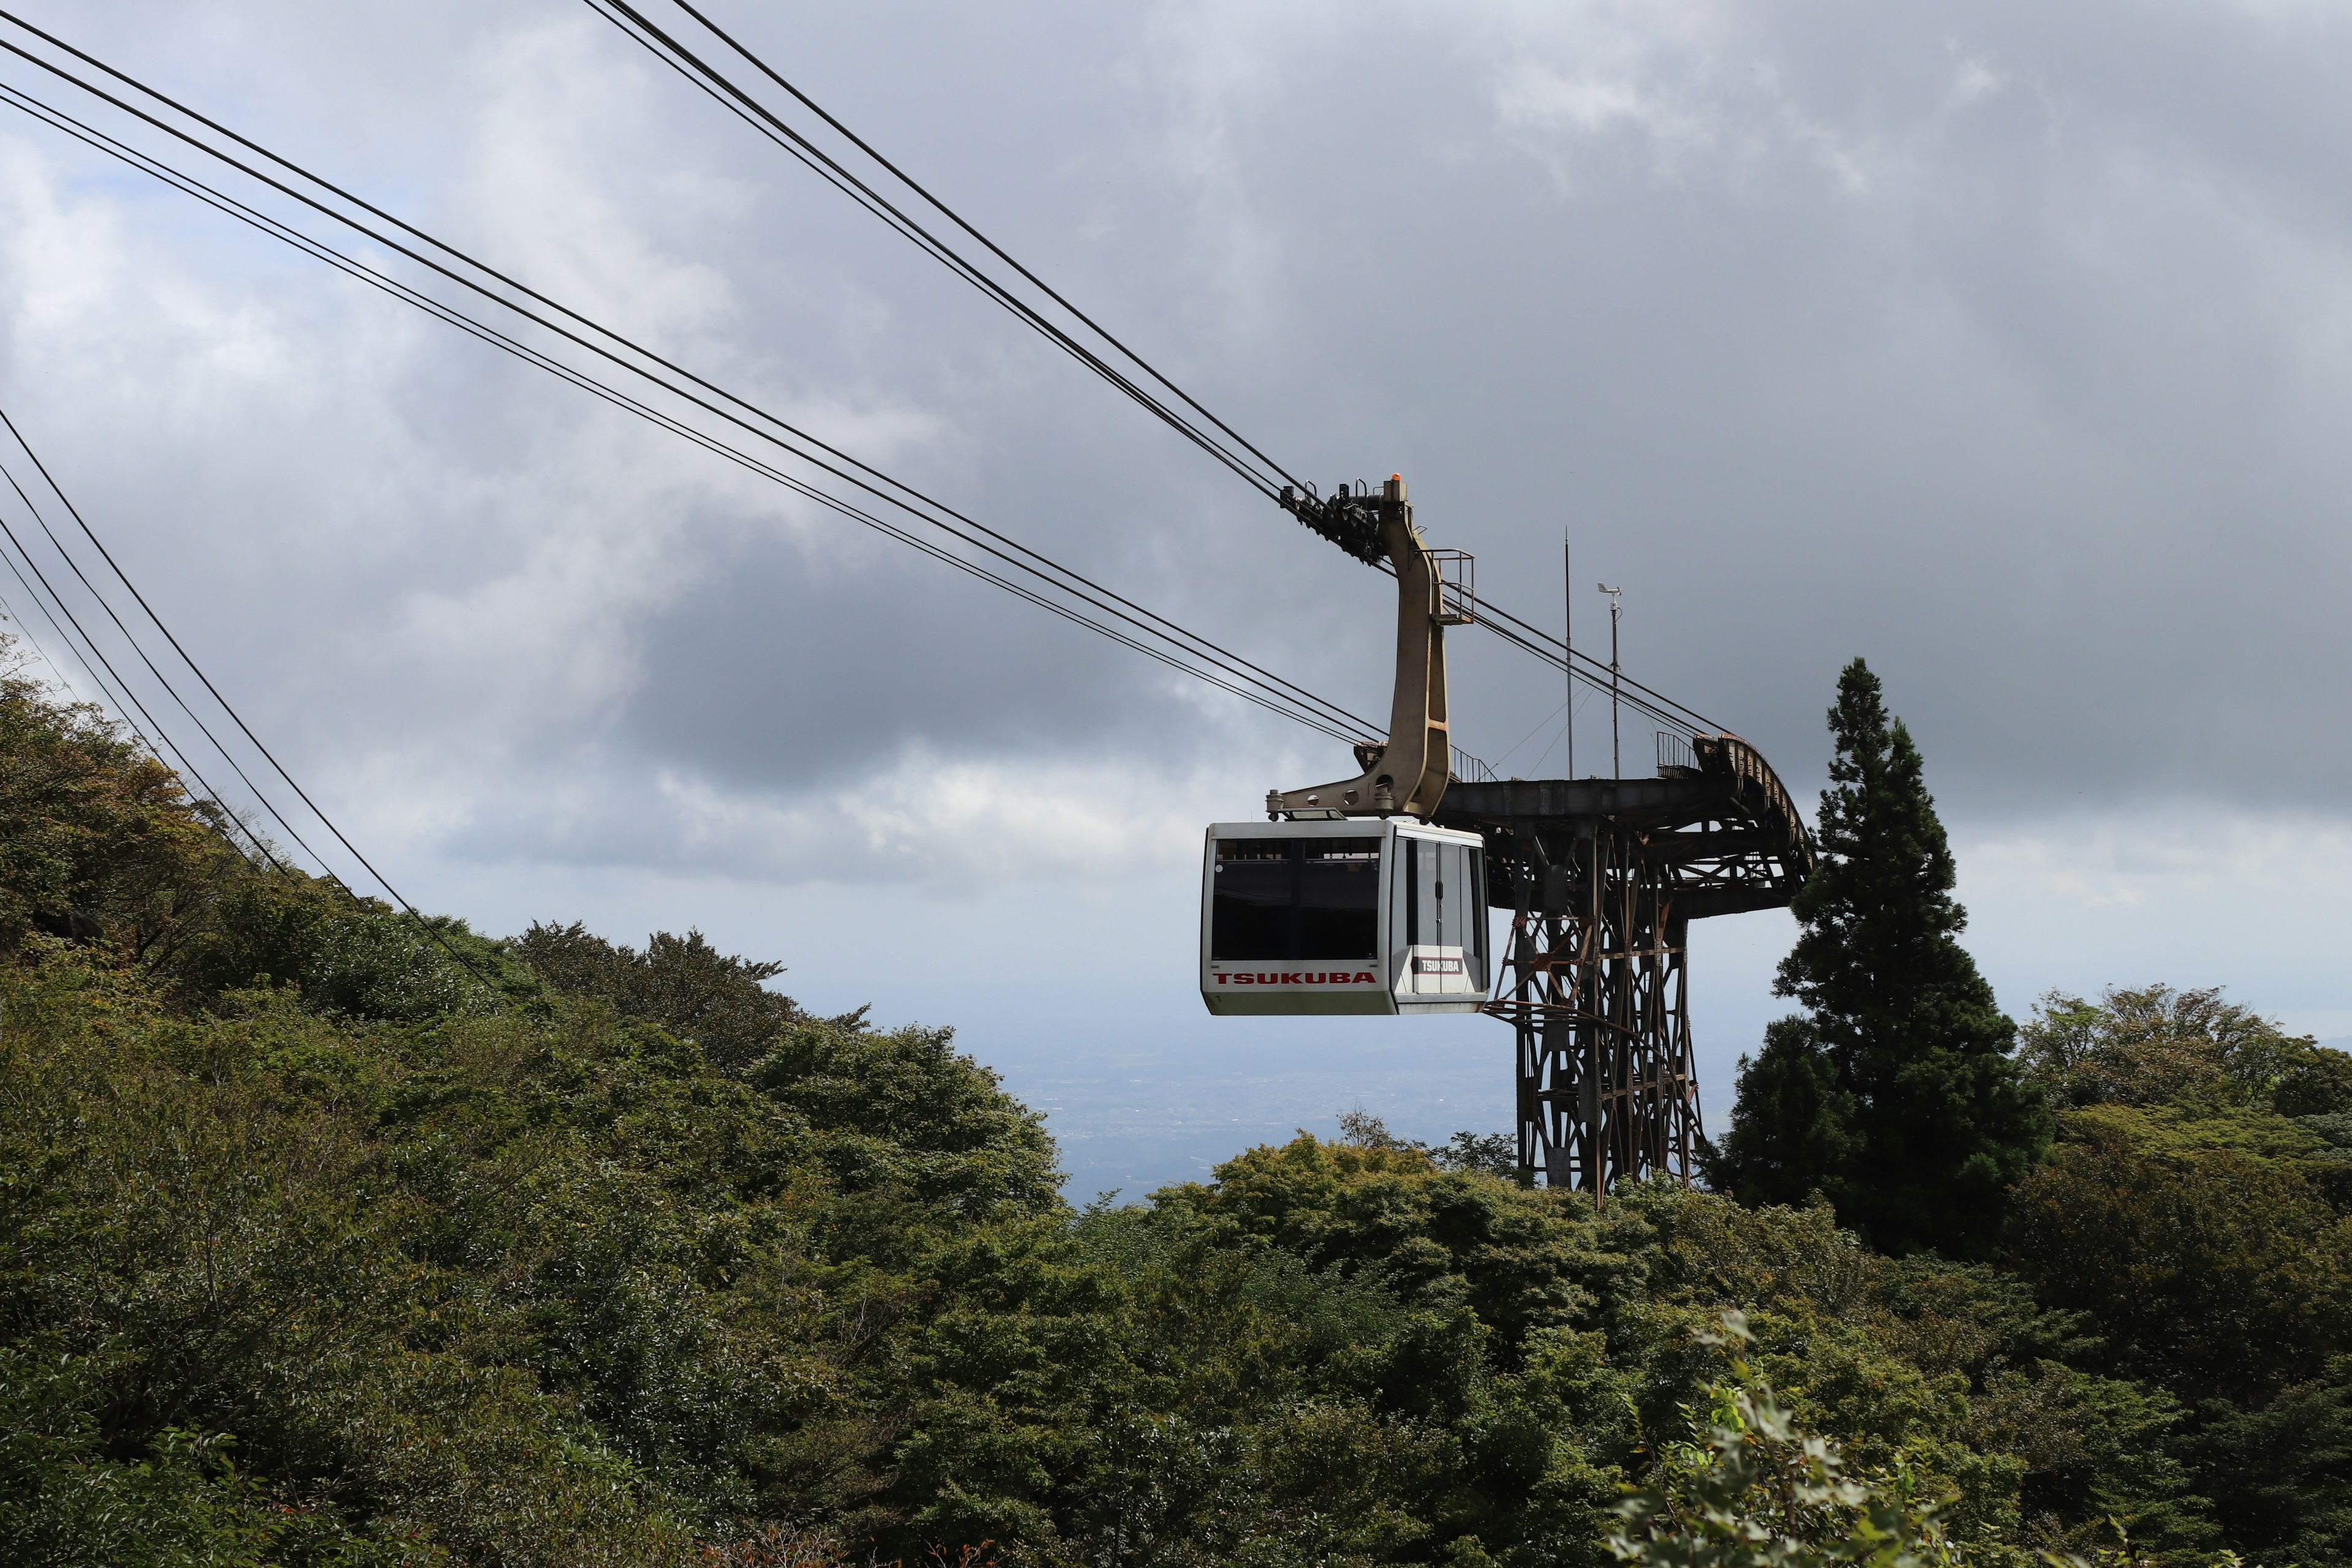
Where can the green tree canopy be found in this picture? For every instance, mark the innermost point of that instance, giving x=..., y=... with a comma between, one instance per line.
x=718, y=1000
x=2206, y=1269
x=97, y=840
x=2151, y=1044
x=1895, y=1093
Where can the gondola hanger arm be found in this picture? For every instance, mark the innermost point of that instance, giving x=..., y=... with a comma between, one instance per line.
x=1407, y=775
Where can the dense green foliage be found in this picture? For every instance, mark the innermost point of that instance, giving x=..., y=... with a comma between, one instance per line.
x=1894, y=1093
x=2194, y=1216
x=1759, y=1493
x=327, y=1240
x=719, y=1002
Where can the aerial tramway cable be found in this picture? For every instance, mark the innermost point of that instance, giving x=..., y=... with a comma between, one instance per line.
x=713, y=82
x=1229, y=671
x=160, y=679
x=125, y=697
x=197, y=670
x=1265, y=474
x=1192, y=652
x=108, y=692
x=25, y=629
x=1635, y=695
x=260, y=845
x=1543, y=643
x=1160, y=626
x=9, y=613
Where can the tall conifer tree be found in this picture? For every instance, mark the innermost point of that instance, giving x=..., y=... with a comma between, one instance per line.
x=1894, y=1092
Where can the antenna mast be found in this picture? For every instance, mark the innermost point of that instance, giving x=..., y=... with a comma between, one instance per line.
x=1568, y=640
x=1616, y=608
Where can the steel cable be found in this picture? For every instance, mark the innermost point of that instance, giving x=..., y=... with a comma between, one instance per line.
x=160, y=679
x=260, y=844
x=715, y=84
x=1319, y=712
x=127, y=702
x=719, y=87
x=1049, y=565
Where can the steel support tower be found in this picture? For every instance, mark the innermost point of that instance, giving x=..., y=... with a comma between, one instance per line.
x=1603, y=878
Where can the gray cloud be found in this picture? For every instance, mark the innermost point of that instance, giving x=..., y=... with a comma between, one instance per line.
x=2003, y=347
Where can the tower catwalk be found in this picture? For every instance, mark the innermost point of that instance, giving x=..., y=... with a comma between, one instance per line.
x=1603, y=878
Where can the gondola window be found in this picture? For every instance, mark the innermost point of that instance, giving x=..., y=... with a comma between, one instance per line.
x=1282, y=899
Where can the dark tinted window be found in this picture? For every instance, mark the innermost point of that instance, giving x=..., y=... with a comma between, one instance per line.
x=1340, y=899
x=1249, y=913
x=1296, y=897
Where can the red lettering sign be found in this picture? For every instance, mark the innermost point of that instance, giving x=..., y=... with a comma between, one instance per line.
x=1299, y=977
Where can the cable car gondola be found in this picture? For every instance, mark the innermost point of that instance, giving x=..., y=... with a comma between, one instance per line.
x=1345, y=901
x=1343, y=916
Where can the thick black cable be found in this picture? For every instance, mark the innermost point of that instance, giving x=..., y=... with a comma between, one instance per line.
x=252, y=216
x=413, y=913
x=654, y=416
x=663, y=47
x=231, y=207
x=902, y=177
x=1532, y=639
x=924, y=240
x=126, y=702
x=131, y=637
x=1691, y=719
x=8, y=611
x=1322, y=711
x=276, y=229
x=1529, y=640
x=122, y=709
x=1630, y=699
x=1213, y=649
x=67, y=643
x=105, y=693
x=169, y=690
x=1204, y=649
x=1688, y=719
x=129, y=703
x=1363, y=729
x=958, y=219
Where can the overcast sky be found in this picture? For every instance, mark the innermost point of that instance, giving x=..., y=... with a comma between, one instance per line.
x=2004, y=345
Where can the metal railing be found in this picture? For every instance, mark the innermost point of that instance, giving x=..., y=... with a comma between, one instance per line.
x=1455, y=576
x=1676, y=757
x=1470, y=770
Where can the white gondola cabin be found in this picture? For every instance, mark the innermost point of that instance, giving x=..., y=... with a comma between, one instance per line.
x=1349, y=916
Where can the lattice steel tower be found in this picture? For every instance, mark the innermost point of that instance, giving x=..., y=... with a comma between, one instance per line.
x=1603, y=878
